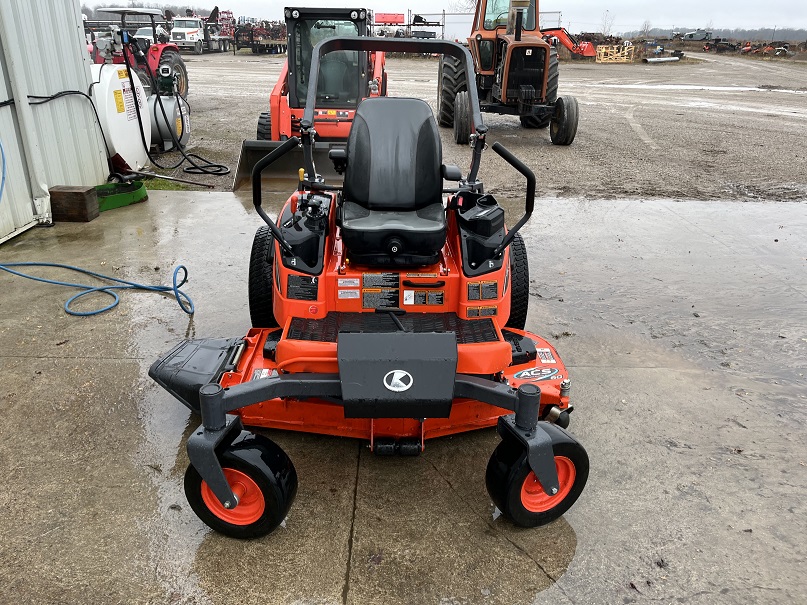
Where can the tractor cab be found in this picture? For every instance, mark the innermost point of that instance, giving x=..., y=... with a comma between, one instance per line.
x=343, y=76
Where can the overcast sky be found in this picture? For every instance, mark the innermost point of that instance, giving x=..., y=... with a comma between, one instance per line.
x=577, y=15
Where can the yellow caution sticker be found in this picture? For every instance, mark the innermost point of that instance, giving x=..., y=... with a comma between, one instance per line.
x=119, y=106
x=331, y=112
x=123, y=74
x=179, y=127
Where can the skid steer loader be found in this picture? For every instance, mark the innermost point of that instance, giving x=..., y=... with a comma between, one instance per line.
x=344, y=80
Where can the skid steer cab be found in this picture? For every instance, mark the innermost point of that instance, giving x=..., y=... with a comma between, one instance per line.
x=345, y=78
x=515, y=72
x=391, y=308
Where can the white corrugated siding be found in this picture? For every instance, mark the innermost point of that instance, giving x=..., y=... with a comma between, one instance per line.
x=43, y=51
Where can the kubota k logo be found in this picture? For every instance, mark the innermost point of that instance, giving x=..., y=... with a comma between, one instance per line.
x=398, y=381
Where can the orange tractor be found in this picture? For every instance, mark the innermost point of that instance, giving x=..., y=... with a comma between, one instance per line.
x=345, y=79
x=516, y=73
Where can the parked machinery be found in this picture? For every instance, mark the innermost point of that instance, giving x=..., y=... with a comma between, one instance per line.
x=516, y=73
x=345, y=79
x=146, y=59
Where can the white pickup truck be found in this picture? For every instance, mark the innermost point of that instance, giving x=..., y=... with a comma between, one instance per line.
x=194, y=33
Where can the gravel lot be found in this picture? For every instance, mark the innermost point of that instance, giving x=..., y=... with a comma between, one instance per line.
x=726, y=128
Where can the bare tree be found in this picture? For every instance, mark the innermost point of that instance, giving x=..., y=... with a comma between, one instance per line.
x=462, y=6
x=607, y=23
x=709, y=26
x=646, y=27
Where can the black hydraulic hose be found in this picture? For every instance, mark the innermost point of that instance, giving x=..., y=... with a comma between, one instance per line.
x=529, y=202
x=259, y=167
x=207, y=168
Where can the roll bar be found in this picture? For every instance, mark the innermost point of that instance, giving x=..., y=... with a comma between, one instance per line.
x=395, y=45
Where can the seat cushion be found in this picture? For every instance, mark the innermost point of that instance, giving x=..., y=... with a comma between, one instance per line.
x=421, y=232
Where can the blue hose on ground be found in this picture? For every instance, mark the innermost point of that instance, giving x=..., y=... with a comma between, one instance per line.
x=184, y=301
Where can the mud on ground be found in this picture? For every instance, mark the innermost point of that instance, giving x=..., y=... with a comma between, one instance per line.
x=725, y=128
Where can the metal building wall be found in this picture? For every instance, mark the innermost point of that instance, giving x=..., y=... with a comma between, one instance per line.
x=43, y=51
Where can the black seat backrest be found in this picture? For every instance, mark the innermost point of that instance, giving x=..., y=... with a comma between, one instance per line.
x=393, y=155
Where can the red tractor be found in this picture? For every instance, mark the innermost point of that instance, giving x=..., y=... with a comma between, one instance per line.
x=145, y=58
x=345, y=79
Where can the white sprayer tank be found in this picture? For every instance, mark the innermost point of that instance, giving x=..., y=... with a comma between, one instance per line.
x=114, y=95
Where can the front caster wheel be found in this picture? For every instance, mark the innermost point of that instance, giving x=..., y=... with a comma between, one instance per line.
x=262, y=477
x=516, y=491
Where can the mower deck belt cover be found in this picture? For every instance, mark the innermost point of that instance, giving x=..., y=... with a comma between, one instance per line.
x=398, y=375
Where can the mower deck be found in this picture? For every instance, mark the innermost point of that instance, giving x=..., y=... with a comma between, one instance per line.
x=231, y=362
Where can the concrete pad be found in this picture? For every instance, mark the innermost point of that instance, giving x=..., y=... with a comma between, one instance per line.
x=683, y=328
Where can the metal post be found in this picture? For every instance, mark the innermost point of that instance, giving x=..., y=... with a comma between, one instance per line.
x=529, y=398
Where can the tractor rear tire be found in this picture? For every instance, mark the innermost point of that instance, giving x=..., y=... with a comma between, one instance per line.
x=145, y=80
x=174, y=60
x=450, y=81
x=265, y=126
x=519, y=284
x=563, y=126
x=462, y=118
x=261, y=280
x=551, y=93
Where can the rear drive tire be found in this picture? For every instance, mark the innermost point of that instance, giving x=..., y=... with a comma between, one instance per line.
x=265, y=126
x=535, y=121
x=462, y=118
x=173, y=59
x=145, y=80
x=450, y=81
x=563, y=127
x=519, y=284
x=261, y=280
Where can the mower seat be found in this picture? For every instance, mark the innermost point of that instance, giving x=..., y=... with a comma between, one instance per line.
x=392, y=210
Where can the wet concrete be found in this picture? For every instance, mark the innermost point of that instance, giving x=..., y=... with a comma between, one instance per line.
x=682, y=324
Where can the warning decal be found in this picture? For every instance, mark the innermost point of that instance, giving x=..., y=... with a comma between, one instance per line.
x=481, y=311
x=423, y=297
x=380, y=290
x=302, y=287
x=483, y=290
x=119, y=106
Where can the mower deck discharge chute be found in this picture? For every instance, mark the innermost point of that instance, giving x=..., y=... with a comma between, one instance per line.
x=385, y=311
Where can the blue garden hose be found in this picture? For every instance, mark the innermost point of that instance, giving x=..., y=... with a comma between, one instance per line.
x=183, y=300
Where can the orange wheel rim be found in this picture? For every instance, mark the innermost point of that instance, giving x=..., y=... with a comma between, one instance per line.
x=533, y=497
x=250, y=499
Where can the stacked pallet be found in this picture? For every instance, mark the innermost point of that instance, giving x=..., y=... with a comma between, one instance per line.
x=615, y=54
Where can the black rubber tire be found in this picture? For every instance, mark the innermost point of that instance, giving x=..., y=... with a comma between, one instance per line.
x=519, y=284
x=462, y=118
x=508, y=469
x=551, y=93
x=450, y=81
x=563, y=126
x=173, y=59
x=265, y=126
x=261, y=280
x=145, y=79
x=198, y=48
x=272, y=472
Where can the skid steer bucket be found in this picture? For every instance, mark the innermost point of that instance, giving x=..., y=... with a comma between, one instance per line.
x=287, y=166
